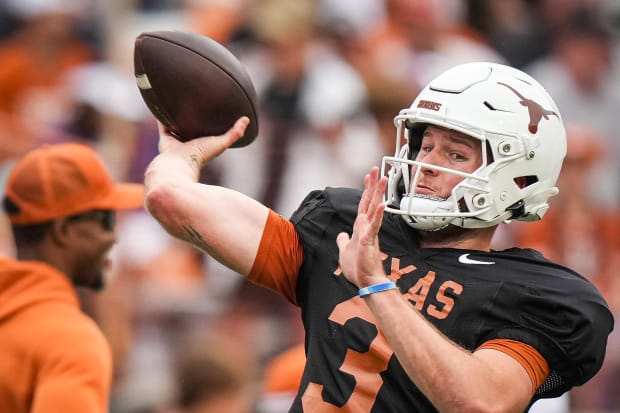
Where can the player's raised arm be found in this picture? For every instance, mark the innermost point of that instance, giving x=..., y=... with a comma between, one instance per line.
x=226, y=224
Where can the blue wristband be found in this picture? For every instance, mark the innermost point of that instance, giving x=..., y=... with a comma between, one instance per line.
x=377, y=288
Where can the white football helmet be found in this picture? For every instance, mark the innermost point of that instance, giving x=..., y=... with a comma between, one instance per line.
x=523, y=146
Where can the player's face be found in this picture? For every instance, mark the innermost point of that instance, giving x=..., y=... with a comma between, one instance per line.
x=448, y=149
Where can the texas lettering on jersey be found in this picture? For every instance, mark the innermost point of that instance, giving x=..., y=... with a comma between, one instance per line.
x=418, y=294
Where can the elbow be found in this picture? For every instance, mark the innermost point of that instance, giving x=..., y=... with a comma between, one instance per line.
x=155, y=201
x=160, y=202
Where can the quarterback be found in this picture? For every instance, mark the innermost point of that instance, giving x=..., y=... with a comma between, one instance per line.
x=405, y=306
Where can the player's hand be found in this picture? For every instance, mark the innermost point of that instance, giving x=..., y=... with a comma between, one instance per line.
x=360, y=256
x=204, y=148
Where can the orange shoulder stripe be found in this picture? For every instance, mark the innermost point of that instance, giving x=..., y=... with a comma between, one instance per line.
x=279, y=257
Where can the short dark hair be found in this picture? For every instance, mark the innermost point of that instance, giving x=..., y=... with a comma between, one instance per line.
x=25, y=234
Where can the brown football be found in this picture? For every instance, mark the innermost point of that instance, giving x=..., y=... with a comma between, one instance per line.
x=194, y=85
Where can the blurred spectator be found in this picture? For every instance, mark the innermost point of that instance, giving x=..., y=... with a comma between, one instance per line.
x=61, y=203
x=286, y=30
x=313, y=102
x=416, y=41
x=351, y=26
x=108, y=112
x=437, y=31
x=387, y=97
x=213, y=374
x=523, y=31
x=515, y=28
x=46, y=45
x=584, y=79
x=338, y=144
x=217, y=19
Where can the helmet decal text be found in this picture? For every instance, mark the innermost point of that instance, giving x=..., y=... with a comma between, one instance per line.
x=427, y=104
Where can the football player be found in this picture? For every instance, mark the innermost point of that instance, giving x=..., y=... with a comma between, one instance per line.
x=405, y=306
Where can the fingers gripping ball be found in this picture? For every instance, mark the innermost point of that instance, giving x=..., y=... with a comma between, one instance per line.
x=194, y=85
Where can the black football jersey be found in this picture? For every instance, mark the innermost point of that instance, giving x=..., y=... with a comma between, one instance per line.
x=470, y=296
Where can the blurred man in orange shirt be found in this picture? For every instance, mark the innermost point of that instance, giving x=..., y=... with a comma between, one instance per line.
x=61, y=204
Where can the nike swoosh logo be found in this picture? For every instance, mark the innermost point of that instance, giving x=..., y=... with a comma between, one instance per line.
x=464, y=259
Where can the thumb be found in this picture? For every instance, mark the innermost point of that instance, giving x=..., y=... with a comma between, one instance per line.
x=238, y=129
x=219, y=143
x=342, y=240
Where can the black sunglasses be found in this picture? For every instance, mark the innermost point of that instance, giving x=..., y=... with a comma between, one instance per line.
x=105, y=216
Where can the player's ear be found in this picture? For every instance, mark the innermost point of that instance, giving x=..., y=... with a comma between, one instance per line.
x=60, y=232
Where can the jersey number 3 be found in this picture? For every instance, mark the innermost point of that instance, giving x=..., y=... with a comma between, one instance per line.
x=365, y=367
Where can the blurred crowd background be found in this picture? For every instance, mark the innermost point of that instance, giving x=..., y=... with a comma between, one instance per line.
x=191, y=336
